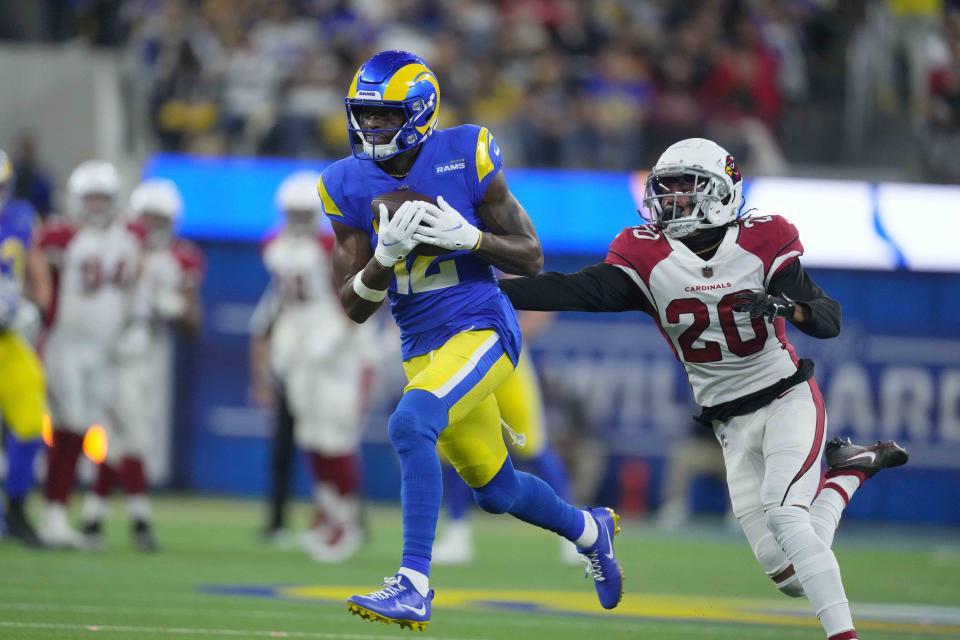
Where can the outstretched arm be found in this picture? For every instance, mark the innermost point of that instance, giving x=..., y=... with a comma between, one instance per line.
x=599, y=287
x=511, y=244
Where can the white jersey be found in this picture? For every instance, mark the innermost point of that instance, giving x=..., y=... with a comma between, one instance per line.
x=97, y=271
x=167, y=273
x=300, y=309
x=726, y=354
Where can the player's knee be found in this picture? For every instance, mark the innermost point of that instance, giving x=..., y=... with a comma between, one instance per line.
x=771, y=556
x=418, y=418
x=498, y=495
x=787, y=522
x=405, y=429
x=776, y=565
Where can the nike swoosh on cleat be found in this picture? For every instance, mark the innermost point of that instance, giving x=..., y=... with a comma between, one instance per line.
x=420, y=612
x=609, y=554
x=869, y=454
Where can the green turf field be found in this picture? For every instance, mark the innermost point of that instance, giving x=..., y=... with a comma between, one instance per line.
x=214, y=579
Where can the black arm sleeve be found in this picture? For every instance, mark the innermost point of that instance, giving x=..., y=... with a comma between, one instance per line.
x=599, y=287
x=824, y=312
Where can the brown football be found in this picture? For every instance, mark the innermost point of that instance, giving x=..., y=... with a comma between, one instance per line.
x=393, y=200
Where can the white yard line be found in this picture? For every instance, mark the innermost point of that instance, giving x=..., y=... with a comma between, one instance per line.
x=191, y=631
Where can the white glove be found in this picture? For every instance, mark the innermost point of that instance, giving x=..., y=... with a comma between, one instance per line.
x=170, y=304
x=27, y=321
x=395, y=237
x=132, y=343
x=9, y=304
x=444, y=227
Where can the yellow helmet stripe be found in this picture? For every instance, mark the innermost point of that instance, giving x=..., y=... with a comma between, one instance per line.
x=352, y=93
x=484, y=163
x=329, y=206
x=402, y=80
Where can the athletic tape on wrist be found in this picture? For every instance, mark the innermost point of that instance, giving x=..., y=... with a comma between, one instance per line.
x=365, y=292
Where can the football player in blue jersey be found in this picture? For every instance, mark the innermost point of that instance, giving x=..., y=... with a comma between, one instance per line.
x=22, y=386
x=460, y=337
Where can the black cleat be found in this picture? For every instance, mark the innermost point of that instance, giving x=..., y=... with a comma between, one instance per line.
x=19, y=527
x=143, y=538
x=93, y=535
x=843, y=455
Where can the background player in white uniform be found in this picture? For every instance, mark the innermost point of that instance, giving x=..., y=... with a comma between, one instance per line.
x=720, y=287
x=167, y=296
x=322, y=361
x=99, y=262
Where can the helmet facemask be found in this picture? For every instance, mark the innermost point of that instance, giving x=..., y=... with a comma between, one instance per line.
x=681, y=200
x=97, y=209
x=301, y=223
x=385, y=142
x=158, y=226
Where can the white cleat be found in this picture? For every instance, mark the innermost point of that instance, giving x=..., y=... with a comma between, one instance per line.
x=332, y=546
x=455, y=546
x=56, y=530
x=673, y=516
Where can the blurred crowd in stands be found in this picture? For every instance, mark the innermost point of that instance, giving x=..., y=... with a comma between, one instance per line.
x=569, y=83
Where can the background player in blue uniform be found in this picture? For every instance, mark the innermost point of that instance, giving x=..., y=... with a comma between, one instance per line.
x=22, y=387
x=460, y=337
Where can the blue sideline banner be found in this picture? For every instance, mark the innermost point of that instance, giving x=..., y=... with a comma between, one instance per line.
x=844, y=224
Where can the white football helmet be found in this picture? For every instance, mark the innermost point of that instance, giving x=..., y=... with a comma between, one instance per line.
x=298, y=201
x=93, y=193
x=156, y=204
x=695, y=185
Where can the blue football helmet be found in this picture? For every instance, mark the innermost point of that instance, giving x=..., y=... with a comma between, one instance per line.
x=392, y=80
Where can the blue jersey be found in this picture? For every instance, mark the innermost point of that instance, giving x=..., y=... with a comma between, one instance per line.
x=432, y=297
x=16, y=231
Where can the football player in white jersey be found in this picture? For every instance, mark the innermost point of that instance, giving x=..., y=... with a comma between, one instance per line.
x=167, y=297
x=720, y=288
x=98, y=262
x=322, y=362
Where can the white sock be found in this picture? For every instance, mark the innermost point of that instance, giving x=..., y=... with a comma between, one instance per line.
x=138, y=507
x=590, y=532
x=827, y=508
x=460, y=528
x=420, y=582
x=94, y=508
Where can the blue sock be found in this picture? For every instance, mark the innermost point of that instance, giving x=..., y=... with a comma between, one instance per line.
x=20, y=457
x=530, y=499
x=414, y=426
x=456, y=493
x=550, y=468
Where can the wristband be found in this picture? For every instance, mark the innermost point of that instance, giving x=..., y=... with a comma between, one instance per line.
x=365, y=292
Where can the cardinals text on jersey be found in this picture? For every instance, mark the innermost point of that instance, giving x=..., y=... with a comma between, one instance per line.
x=726, y=354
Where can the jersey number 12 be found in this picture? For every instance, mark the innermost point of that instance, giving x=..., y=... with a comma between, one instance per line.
x=415, y=279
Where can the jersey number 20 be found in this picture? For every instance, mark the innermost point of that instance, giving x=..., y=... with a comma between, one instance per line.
x=710, y=351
